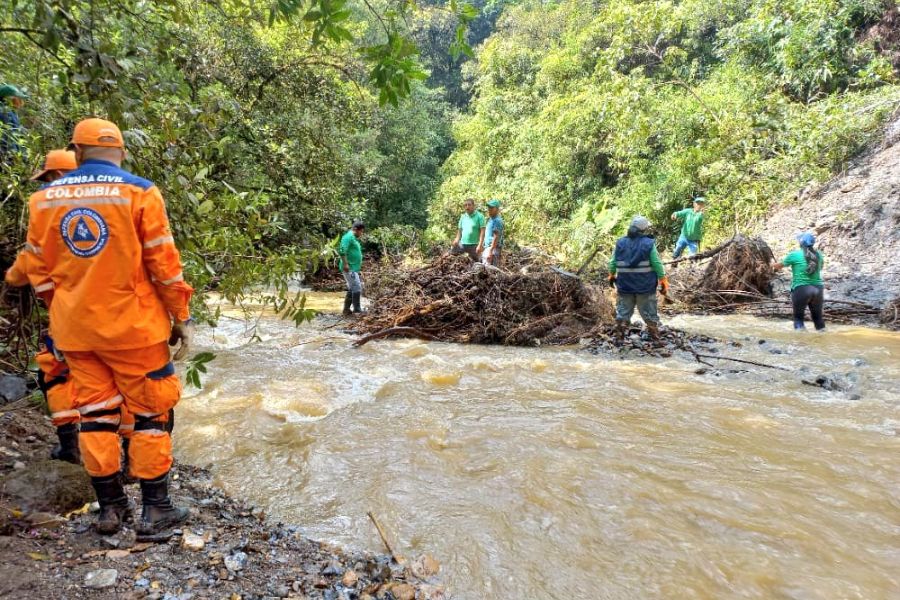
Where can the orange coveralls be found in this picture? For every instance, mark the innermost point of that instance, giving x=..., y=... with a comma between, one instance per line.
x=57, y=384
x=99, y=241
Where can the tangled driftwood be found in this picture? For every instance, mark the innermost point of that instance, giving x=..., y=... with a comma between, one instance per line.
x=890, y=315
x=738, y=271
x=737, y=276
x=454, y=300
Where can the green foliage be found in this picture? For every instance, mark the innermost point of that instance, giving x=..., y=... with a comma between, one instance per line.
x=196, y=365
x=255, y=119
x=586, y=113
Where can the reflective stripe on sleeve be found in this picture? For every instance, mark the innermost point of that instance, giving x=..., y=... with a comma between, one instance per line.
x=176, y=279
x=32, y=248
x=44, y=287
x=166, y=239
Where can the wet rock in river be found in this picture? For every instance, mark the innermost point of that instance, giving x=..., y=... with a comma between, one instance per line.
x=425, y=566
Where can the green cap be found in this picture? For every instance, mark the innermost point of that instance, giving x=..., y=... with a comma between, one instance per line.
x=494, y=203
x=11, y=91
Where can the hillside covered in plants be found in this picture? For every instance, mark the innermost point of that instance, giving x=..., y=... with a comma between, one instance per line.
x=584, y=113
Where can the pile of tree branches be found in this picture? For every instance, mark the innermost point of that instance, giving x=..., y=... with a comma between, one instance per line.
x=737, y=276
x=454, y=300
x=732, y=274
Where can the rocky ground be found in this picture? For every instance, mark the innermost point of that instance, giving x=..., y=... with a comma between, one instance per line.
x=857, y=219
x=48, y=548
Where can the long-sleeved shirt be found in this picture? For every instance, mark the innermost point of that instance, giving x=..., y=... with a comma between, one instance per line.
x=99, y=239
x=692, y=224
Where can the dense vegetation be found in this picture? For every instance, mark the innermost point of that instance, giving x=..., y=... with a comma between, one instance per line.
x=269, y=127
x=585, y=112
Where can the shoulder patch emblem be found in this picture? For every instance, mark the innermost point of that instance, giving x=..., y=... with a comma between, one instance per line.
x=84, y=231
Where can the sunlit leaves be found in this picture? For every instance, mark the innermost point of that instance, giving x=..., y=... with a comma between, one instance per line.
x=195, y=366
x=394, y=68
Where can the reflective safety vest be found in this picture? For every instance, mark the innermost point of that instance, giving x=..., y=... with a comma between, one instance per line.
x=99, y=241
x=634, y=275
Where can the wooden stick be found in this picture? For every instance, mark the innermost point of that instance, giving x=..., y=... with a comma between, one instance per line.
x=397, y=558
x=407, y=331
x=739, y=360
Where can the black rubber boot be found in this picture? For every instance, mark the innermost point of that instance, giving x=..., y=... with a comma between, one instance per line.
x=357, y=299
x=158, y=512
x=348, y=300
x=115, y=507
x=67, y=449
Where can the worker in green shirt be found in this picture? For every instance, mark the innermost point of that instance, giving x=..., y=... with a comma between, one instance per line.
x=635, y=270
x=351, y=265
x=493, y=235
x=807, y=288
x=469, y=232
x=691, y=228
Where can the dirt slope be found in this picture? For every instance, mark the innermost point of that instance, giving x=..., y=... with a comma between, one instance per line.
x=857, y=218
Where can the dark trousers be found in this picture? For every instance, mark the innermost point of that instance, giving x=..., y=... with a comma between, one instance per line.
x=812, y=296
x=470, y=249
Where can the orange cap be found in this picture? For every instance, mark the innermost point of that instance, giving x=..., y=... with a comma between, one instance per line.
x=97, y=132
x=57, y=160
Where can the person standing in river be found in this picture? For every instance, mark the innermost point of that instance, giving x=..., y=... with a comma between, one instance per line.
x=101, y=246
x=807, y=287
x=691, y=228
x=493, y=236
x=469, y=232
x=635, y=270
x=351, y=266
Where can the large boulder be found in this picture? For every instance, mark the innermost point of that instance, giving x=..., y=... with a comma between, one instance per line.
x=12, y=388
x=49, y=486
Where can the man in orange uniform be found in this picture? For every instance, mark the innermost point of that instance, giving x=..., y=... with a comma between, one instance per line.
x=53, y=376
x=101, y=241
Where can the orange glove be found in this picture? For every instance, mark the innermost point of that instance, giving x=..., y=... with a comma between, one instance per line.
x=612, y=280
x=664, y=286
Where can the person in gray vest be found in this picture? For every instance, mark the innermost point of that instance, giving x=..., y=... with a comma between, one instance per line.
x=635, y=270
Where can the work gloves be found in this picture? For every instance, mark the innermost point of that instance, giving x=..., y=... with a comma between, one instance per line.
x=612, y=280
x=664, y=286
x=182, y=331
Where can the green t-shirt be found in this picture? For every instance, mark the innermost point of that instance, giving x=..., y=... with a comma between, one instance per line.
x=351, y=248
x=797, y=262
x=470, y=226
x=692, y=228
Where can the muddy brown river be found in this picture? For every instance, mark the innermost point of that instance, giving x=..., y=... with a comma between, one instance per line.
x=556, y=474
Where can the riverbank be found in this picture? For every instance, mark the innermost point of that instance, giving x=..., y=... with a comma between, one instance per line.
x=228, y=549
